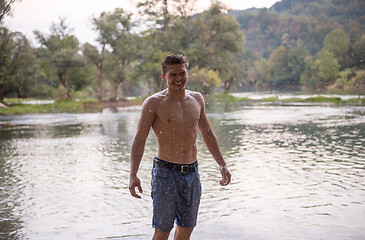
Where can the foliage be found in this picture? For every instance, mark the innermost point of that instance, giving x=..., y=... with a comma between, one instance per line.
x=357, y=53
x=321, y=70
x=336, y=42
x=304, y=23
x=115, y=33
x=61, y=48
x=96, y=58
x=5, y=8
x=219, y=44
x=311, y=44
x=16, y=58
x=203, y=80
x=285, y=66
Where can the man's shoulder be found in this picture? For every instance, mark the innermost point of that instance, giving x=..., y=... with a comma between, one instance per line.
x=197, y=95
x=154, y=99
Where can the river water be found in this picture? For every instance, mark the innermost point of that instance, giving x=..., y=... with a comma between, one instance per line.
x=298, y=172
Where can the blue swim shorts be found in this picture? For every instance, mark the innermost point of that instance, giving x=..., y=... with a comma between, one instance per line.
x=176, y=192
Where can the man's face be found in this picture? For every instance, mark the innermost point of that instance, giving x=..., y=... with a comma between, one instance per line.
x=176, y=76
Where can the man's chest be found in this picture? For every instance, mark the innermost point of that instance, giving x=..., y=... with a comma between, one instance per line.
x=185, y=114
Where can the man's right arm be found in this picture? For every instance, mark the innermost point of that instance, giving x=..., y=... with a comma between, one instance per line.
x=144, y=125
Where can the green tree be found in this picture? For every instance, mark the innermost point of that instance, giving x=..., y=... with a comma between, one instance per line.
x=258, y=74
x=203, y=80
x=97, y=59
x=149, y=68
x=157, y=12
x=285, y=66
x=15, y=58
x=219, y=44
x=61, y=48
x=357, y=53
x=115, y=31
x=169, y=22
x=337, y=43
x=320, y=71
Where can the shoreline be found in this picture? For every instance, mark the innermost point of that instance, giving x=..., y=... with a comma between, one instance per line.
x=16, y=107
x=66, y=106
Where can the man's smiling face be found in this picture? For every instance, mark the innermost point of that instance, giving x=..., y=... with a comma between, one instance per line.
x=176, y=76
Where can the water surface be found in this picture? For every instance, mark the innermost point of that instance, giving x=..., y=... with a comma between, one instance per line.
x=298, y=172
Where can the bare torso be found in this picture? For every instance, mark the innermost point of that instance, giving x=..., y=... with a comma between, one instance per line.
x=176, y=126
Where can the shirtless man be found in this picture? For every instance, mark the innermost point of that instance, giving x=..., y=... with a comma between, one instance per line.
x=175, y=115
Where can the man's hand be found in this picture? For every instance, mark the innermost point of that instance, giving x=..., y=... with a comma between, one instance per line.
x=133, y=183
x=226, y=176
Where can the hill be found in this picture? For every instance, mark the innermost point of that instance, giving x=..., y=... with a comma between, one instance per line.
x=297, y=23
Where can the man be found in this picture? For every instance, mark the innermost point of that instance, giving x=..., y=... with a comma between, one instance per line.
x=175, y=115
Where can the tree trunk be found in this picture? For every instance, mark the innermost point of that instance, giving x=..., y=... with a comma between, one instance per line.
x=228, y=85
x=159, y=84
x=99, y=83
x=115, y=89
x=19, y=93
x=149, y=86
x=63, y=85
x=99, y=66
x=2, y=94
x=127, y=89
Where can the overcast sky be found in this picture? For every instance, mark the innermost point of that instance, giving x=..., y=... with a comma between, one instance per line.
x=29, y=15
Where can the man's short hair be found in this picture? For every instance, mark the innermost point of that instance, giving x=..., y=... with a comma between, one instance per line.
x=174, y=59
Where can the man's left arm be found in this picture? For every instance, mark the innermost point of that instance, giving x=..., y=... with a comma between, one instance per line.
x=211, y=141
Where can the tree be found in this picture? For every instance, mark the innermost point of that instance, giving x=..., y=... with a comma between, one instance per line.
x=97, y=59
x=320, y=71
x=219, y=44
x=258, y=75
x=15, y=57
x=203, y=80
x=157, y=12
x=61, y=48
x=357, y=53
x=115, y=32
x=285, y=66
x=149, y=68
x=5, y=8
x=164, y=15
x=337, y=43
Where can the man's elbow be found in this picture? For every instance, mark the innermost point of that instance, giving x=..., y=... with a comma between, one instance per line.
x=208, y=134
x=139, y=141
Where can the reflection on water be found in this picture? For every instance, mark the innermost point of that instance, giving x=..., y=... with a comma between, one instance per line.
x=298, y=173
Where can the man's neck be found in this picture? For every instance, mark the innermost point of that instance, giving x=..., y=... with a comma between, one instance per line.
x=176, y=94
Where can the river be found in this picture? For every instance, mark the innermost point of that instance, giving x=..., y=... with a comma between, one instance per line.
x=298, y=172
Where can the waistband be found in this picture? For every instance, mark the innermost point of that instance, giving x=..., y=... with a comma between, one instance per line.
x=183, y=168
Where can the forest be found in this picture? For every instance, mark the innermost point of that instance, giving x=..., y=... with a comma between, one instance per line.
x=313, y=45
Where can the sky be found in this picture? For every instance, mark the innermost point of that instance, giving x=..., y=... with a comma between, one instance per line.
x=30, y=15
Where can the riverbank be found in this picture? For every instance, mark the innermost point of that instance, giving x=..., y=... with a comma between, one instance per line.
x=15, y=106
x=276, y=99
x=58, y=106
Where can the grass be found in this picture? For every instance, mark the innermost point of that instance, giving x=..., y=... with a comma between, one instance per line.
x=318, y=99
x=58, y=106
x=223, y=98
x=15, y=106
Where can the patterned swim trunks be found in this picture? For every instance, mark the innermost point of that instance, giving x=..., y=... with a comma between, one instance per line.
x=176, y=192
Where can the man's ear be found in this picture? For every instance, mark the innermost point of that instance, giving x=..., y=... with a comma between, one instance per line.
x=163, y=76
